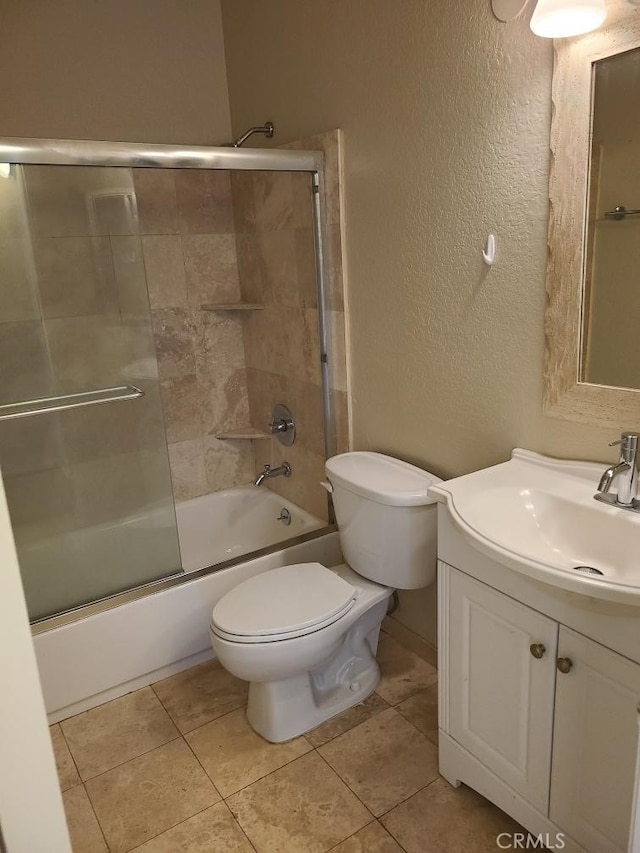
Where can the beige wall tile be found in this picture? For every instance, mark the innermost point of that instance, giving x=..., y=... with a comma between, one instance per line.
x=335, y=272
x=177, y=332
x=305, y=401
x=303, y=487
x=374, y=838
x=228, y=463
x=86, y=352
x=84, y=829
x=30, y=444
x=306, y=267
x=234, y=756
x=188, y=476
x=383, y=760
x=67, y=770
x=252, y=286
x=347, y=720
x=98, y=431
x=212, y=831
x=112, y=734
x=201, y=694
x=25, y=364
x=150, y=794
x=340, y=405
x=226, y=406
x=273, y=194
x=243, y=194
x=403, y=673
x=130, y=276
x=221, y=349
x=211, y=266
x=182, y=404
x=19, y=295
x=164, y=266
x=301, y=200
x=39, y=502
x=442, y=817
x=156, y=199
x=265, y=390
x=308, y=807
x=278, y=261
x=204, y=201
x=337, y=351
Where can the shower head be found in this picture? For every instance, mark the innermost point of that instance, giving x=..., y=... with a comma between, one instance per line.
x=267, y=129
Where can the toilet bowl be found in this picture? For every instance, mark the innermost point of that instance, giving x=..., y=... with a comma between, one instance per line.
x=305, y=636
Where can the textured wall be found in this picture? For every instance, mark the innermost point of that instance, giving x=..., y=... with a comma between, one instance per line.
x=148, y=71
x=446, y=116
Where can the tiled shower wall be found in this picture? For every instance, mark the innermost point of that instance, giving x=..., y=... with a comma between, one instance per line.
x=189, y=245
x=277, y=267
x=222, y=237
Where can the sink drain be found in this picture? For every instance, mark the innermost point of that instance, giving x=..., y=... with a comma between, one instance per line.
x=588, y=570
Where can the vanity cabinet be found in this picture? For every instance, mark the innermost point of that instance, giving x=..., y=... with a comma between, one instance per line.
x=535, y=715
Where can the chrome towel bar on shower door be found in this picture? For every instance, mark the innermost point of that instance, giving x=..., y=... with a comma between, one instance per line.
x=42, y=405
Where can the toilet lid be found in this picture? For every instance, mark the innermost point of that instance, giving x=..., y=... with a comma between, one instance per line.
x=283, y=603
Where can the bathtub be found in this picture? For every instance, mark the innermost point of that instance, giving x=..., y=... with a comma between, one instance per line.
x=218, y=527
x=133, y=643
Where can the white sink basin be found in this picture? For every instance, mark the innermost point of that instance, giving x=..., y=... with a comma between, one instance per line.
x=538, y=516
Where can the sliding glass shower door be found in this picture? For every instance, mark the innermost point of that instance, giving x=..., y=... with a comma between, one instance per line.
x=82, y=440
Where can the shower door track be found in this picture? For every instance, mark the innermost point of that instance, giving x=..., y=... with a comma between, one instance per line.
x=70, y=152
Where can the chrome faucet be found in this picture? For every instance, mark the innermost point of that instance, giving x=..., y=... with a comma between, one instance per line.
x=283, y=470
x=625, y=472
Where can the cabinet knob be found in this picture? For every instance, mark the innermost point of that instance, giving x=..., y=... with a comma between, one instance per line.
x=537, y=650
x=564, y=664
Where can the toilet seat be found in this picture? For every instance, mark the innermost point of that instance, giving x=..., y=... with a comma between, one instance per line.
x=283, y=603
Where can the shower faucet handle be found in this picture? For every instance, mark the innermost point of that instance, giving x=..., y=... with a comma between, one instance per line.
x=282, y=425
x=279, y=425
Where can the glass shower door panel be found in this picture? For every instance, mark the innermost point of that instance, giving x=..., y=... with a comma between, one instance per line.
x=89, y=488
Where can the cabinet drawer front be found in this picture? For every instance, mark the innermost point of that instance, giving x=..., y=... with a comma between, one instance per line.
x=501, y=695
x=594, y=744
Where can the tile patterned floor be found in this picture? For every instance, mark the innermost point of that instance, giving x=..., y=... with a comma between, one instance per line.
x=175, y=768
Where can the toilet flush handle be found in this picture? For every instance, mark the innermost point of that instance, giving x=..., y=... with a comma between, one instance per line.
x=327, y=485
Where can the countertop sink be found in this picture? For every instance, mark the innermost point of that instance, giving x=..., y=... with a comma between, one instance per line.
x=538, y=516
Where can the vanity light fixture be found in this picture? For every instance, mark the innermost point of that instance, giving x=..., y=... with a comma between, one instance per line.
x=555, y=18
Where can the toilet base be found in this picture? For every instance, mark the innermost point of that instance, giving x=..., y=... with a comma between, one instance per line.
x=282, y=710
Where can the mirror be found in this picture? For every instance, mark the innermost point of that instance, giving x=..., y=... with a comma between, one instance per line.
x=592, y=323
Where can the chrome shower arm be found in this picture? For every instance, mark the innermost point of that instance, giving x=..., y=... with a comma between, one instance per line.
x=267, y=129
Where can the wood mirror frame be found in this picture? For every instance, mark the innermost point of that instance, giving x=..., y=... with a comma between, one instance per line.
x=565, y=396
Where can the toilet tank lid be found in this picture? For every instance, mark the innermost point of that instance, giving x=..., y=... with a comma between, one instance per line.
x=381, y=478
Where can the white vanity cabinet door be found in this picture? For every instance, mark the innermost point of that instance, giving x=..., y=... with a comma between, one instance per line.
x=500, y=695
x=594, y=744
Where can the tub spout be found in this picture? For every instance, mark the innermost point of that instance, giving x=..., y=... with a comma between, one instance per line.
x=283, y=470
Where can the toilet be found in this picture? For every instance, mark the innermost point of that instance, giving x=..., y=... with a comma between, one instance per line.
x=305, y=636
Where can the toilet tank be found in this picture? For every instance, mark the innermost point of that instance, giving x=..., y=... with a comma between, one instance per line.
x=386, y=520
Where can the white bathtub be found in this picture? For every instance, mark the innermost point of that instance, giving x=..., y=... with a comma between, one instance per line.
x=110, y=653
x=224, y=525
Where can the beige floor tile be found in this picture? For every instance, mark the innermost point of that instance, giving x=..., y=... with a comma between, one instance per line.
x=67, y=771
x=410, y=640
x=372, y=839
x=421, y=709
x=301, y=808
x=201, y=694
x=383, y=760
x=150, y=794
x=84, y=829
x=443, y=819
x=214, y=830
x=403, y=673
x=234, y=756
x=114, y=733
x=346, y=720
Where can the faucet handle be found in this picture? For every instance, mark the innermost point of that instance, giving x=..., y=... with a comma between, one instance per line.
x=626, y=439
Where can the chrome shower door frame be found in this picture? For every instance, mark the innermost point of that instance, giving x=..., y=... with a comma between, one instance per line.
x=136, y=155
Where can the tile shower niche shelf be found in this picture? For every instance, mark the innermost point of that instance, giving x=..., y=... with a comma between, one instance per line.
x=233, y=306
x=242, y=432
